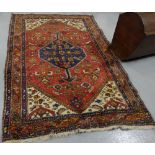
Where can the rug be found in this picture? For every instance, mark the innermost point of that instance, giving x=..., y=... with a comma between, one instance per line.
x=60, y=79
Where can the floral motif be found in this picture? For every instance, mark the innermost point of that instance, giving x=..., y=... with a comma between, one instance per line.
x=77, y=23
x=34, y=23
x=108, y=99
x=41, y=106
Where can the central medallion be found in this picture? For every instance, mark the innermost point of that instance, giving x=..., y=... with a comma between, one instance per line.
x=62, y=54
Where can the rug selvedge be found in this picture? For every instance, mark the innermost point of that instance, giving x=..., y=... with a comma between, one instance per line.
x=68, y=79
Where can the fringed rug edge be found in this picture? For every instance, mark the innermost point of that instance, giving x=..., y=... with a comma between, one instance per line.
x=77, y=131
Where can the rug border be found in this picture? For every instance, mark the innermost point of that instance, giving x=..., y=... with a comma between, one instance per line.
x=122, y=70
x=78, y=131
x=5, y=72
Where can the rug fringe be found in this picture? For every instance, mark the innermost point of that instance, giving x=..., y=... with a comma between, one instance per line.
x=63, y=134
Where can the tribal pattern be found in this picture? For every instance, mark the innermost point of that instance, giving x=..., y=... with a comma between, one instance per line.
x=61, y=78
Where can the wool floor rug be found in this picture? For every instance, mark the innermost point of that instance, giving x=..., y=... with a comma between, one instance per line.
x=60, y=78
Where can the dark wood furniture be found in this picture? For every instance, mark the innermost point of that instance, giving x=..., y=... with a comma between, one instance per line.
x=134, y=36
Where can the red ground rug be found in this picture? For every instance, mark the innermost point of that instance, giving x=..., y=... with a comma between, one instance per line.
x=60, y=78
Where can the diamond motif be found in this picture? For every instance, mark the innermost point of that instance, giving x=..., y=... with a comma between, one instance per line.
x=62, y=54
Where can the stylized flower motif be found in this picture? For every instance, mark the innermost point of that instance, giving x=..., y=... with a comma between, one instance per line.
x=62, y=54
x=58, y=87
x=76, y=103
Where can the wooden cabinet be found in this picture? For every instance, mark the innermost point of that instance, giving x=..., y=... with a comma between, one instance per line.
x=134, y=36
